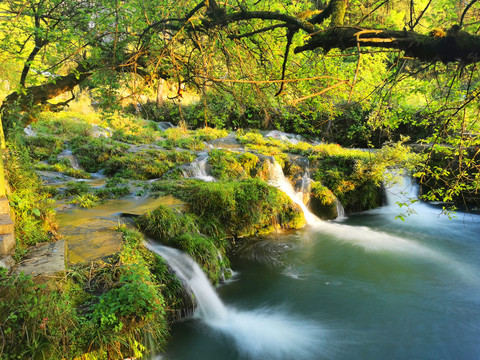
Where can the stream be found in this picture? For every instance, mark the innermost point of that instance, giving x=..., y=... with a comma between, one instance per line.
x=368, y=286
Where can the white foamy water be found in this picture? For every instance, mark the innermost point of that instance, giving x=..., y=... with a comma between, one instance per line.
x=377, y=241
x=278, y=179
x=198, y=169
x=268, y=333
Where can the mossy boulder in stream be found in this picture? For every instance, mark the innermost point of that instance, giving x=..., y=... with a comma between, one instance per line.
x=322, y=202
x=218, y=212
x=180, y=230
x=236, y=208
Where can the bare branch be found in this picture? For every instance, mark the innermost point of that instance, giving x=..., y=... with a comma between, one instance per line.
x=465, y=11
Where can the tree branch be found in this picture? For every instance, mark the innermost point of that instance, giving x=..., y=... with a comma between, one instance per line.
x=457, y=46
x=465, y=11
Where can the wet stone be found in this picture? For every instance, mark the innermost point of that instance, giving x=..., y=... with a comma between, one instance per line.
x=94, y=240
x=45, y=259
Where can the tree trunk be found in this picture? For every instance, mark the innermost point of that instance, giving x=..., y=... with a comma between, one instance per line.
x=40, y=94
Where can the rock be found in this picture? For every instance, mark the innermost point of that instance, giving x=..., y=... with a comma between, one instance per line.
x=44, y=259
x=98, y=132
x=228, y=142
x=323, y=210
x=96, y=239
x=7, y=243
x=164, y=125
x=53, y=177
x=29, y=131
x=280, y=135
x=7, y=262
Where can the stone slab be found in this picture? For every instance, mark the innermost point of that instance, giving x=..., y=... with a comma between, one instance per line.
x=6, y=224
x=45, y=259
x=7, y=244
x=95, y=239
x=4, y=206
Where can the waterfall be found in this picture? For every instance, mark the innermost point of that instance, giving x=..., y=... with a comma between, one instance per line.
x=400, y=189
x=278, y=179
x=198, y=168
x=340, y=210
x=209, y=305
x=268, y=333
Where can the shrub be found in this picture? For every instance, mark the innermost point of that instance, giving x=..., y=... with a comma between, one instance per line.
x=34, y=214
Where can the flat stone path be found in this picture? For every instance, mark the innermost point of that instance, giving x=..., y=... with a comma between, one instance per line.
x=46, y=259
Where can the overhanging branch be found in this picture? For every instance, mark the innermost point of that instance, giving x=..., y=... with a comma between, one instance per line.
x=456, y=46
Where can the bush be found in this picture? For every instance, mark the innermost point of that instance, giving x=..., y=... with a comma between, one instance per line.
x=34, y=214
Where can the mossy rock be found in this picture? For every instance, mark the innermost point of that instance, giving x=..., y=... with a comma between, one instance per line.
x=323, y=202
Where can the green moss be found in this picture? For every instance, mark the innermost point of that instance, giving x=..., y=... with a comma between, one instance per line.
x=322, y=201
x=94, y=153
x=241, y=208
x=164, y=223
x=42, y=147
x=146, y=164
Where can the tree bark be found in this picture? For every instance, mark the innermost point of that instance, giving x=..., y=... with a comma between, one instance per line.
x=40, y=94
x=456, y=46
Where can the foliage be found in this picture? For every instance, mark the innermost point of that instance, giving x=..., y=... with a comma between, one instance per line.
x=33, y=208
x=42, y=147
x=355, y=177
x=102, y=310
x=230, y=165
x=164, y=223
x=146, y=164
x=85, y=200
x=76, y=188
x=94, y=153
x=63, y=167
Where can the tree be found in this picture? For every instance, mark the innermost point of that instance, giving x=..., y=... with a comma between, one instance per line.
x=207, y=44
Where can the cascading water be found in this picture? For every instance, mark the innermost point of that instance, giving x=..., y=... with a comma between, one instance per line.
x=340, y=210
x=198, y=168
x=278, y=179
x=265, y=333
x=366, y=238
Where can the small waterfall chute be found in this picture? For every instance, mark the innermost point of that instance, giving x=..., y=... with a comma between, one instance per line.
x=278, y=179
x=198, y=169
x=340, y=210
x=209, y=305
x=268, y=333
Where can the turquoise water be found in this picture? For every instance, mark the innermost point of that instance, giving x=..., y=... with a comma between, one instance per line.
x=370, y=287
